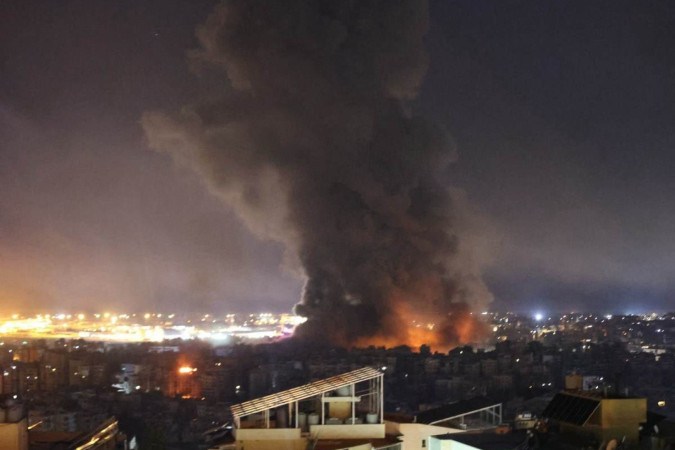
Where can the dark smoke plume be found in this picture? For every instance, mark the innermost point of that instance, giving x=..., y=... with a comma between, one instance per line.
x=313, y=147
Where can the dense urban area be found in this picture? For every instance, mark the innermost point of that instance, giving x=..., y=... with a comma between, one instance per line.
x=169, y=392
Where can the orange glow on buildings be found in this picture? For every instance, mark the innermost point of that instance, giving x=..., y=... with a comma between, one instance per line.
x=414, y=328
x=183, y=380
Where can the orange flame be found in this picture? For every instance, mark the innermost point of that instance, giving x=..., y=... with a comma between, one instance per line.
x=441, y=331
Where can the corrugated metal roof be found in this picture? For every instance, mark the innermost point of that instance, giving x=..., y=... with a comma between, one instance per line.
x=571, y=408
x=303, y=392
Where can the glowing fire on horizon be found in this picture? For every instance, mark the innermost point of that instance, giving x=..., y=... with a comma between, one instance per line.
x=455, y=329
x=419, y=323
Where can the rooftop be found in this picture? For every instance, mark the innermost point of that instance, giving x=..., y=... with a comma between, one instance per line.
x=335, y=444
x=487, y=441
x=303, y=392
x=453, y=410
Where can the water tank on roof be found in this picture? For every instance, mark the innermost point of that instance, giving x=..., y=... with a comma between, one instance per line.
x=344, y=391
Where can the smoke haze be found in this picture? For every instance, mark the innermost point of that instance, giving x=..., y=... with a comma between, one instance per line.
x=313, y=145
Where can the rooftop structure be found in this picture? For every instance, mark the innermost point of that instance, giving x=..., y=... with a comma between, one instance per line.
x=489, y=412
x=344, y=406
x=106, y=436
x=478, y=441
x=416, y=431
x=572, y=409
x=13, y=425
x=604, y=418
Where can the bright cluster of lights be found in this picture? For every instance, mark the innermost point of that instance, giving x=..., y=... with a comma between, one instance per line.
x=148, y=327
x=38, y=324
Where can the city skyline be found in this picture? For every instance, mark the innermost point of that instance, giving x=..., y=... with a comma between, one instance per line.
x=561, y=117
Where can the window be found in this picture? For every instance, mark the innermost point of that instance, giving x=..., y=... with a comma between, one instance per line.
x=424, y=443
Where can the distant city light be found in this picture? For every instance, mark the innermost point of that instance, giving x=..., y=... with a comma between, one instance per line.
x=538, y=316
x=186, y=370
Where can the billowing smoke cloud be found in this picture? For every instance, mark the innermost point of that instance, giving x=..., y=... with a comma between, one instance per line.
x=313, y=146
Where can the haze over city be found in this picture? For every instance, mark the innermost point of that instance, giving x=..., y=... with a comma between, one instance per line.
x=337, y=224
x=548, y=128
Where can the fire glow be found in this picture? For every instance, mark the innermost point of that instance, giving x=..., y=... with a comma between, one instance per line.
x=458, y=327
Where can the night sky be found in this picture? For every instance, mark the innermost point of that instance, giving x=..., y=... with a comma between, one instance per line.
x=562, y=115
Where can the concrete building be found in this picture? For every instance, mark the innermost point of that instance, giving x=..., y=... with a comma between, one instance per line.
x=346, y=412
x=479, y=441
x=416, y=432
x=184, y=382
x=416, y=436
x=13, y=426
x=14, y=435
